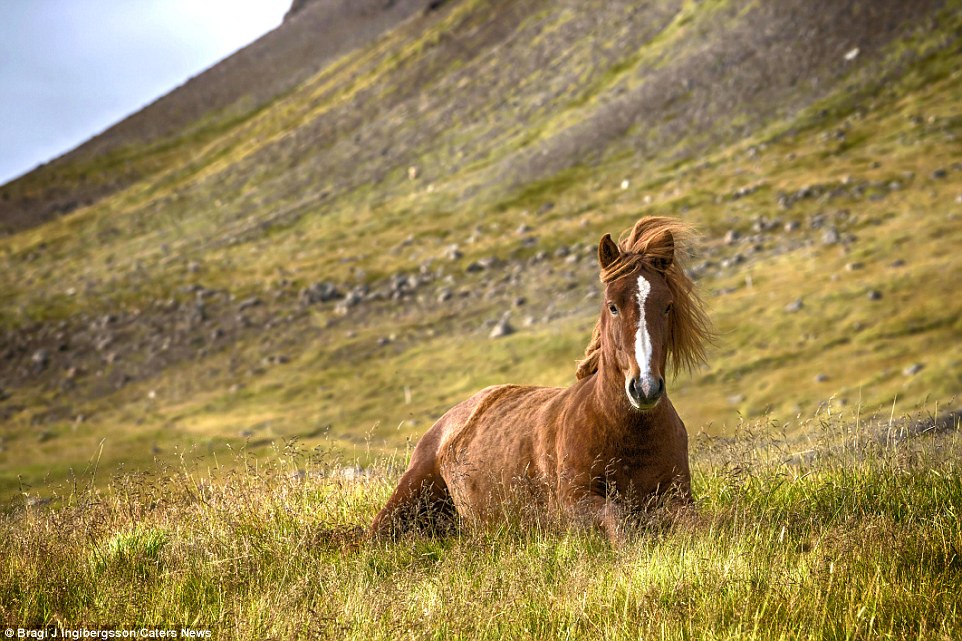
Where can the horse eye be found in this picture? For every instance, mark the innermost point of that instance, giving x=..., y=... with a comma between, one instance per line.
x=668, y=309
x=613, y=309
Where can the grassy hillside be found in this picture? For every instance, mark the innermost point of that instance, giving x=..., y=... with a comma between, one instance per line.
x=181, y=312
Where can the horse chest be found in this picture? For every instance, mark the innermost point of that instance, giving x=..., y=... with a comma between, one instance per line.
x=638, y=463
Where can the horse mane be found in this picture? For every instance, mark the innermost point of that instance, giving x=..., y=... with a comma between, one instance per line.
x=690, y=330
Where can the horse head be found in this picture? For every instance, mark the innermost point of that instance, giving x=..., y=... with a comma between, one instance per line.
x=635, y=323
x=652, y=322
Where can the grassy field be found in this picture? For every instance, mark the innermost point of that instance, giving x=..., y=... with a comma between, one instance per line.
x=850, y=533
x=185, y=441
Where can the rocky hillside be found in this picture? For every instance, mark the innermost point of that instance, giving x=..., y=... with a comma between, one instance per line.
x=382, y=206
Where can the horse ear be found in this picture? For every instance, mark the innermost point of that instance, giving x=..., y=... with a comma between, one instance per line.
x=608, y=251
x=661, y=251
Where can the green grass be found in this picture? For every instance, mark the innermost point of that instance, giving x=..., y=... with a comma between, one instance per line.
x=850, y=532
x=174, y=501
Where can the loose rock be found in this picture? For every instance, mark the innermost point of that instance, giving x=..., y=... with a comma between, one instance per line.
x=488, y=262
x=502, y=328
x=794, y=306
x=319, y=293
x=913, y=369
x=248, y=303
x=353, y=299
x=40, y=360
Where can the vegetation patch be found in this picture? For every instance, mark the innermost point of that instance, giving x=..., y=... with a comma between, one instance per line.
x=851, y=531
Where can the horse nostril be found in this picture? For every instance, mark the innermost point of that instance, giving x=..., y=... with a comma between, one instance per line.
x=646, y=390
x=659, y=387
x=655, y=388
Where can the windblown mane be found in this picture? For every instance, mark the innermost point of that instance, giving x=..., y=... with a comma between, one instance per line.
x=690, y=328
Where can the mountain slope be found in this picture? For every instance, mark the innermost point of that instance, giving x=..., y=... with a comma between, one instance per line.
x=225, y=95
x=291, y=272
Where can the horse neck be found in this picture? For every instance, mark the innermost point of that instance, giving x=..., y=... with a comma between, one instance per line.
x=609, y=400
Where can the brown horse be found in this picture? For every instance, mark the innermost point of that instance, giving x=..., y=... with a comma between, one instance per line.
x=599, y=450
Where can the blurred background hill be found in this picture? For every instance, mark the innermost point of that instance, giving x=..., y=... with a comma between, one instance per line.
x=382, y=206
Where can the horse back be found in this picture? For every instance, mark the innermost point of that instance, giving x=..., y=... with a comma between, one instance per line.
x=490, y=443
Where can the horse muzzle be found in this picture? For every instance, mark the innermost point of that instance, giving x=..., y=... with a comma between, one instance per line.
x=644, y=392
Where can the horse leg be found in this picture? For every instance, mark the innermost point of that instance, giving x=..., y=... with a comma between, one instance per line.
x=606, y=515
x=421, y=499
x=594, y=510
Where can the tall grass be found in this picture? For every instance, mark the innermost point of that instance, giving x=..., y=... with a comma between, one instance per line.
x=852, y=532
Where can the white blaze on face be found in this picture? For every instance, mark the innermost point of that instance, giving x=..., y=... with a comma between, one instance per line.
x=642, y=338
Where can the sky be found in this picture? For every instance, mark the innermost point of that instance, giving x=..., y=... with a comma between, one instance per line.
x=69, y=69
